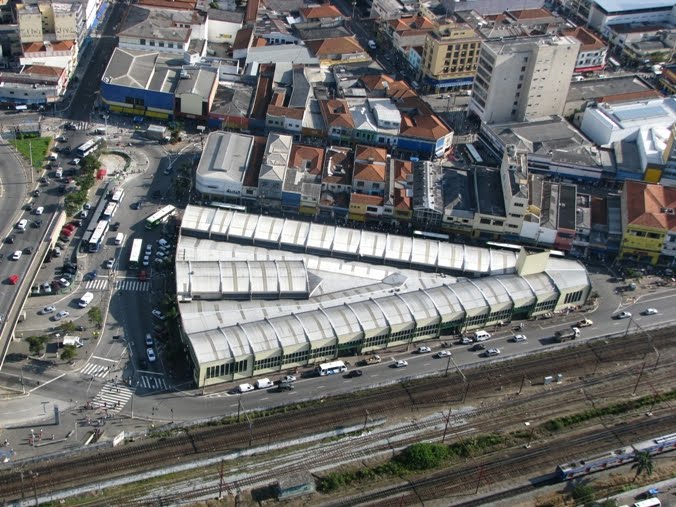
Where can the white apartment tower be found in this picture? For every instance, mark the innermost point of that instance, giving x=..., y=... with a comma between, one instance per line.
x=523, y=78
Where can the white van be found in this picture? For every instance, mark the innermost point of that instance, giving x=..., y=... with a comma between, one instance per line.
x=264, y=383
x=58, y=173
x=85, y=300
x=481, y=336
x=244, y=388
x=53, y=156
x=22, y=224
x=119, y=239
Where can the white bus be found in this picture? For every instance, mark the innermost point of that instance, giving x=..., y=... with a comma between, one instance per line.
x=135, y=255
x=118, y=195
x=109, y=212
x=331, y=368
x=476, y=158
x=86, y=148
x=99, y=234
x=160, y=217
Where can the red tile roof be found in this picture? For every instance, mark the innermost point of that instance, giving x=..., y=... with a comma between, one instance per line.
x=422, y=126
x=368, y=153
x=394, y=88
x=646, y=204
x=334, y=46
x=180, y=5
x=320, y=11
x=588, y=41
x=40, y=47
x=310, y=158
x=411, y=23
x=402, y=169
x=43, y=70
x=336, y=113
x=401, y=200
x=369, y=172
x=374, y=200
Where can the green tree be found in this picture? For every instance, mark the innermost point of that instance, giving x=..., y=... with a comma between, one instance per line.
x=423, y=456
x=68, y=352
x=36, y=344
x=584, y=494
x=95, y=316
x=67, y=327
x=611, y=502
x=644, y=464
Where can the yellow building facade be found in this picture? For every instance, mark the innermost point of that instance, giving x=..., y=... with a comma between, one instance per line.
x=450, y=56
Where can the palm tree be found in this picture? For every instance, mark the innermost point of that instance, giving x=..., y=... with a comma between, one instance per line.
x=644, y=463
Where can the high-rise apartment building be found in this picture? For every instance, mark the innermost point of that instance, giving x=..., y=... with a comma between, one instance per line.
x=50, y=21
x=523, y=78
x=450, y=57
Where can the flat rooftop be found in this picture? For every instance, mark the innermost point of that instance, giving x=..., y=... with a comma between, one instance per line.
x=489, y=191
x=225, y=156
x=592, y=89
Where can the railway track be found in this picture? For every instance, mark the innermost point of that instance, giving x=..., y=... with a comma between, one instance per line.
x=202, y=442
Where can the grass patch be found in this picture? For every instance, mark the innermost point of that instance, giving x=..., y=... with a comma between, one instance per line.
x=416, y=457
x=615, y=409
x=38, y=146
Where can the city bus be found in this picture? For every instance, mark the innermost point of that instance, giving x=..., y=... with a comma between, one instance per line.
x=86, y=148
x=118, y=195
x=98, y=236
x=135, y=255
x=474, y=155
x=331, y=368
x=160, y=217
x=109, y=212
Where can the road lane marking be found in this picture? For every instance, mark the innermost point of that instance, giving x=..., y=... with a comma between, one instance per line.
x=105, y=359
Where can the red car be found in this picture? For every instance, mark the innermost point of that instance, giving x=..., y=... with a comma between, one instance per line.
x=13, y=279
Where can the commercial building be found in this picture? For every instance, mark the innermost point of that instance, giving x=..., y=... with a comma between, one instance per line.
x=637, y=132
x=611, y=90
x=450, y=57
x=591, y=56
x=51, y=21
x=523, y=78
x=260, y=295
x=604, y=13
x=223, y=165
x=648, y=223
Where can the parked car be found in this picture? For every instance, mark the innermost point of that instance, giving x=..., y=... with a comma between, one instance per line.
x=151, y=355
x=158, y=314
x=10, y=239
x=60, y=315
x=424, y=350
x=46, y=310
x=64, y=283
x=149, y=340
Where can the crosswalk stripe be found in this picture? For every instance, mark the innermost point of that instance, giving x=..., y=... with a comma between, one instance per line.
x=113, y=397
x=132, y=285
x=101, y=284
x=157, y=383
x=95, y=370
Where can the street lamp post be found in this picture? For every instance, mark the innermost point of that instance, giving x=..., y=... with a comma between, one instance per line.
x=530, y=435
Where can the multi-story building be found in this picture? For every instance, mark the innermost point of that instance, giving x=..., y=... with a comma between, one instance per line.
x=302, y=187
x=61, y=54
x=370, y=165
x=336, y=182
x=223, y=165
x=523, y=78
x=657, y=49
x=51, y=21
x=605, y=13
x=273, y=170
x=406, y=32
x=648, y=223
x=592, y=54
x=450, y=57
x=669, y=159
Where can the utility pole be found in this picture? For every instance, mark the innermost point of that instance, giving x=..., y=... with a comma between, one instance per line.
x=448, y=420
x=478, y=482
x=221, y=482
x=523, y=381
x=366, y=420
x=640, y=374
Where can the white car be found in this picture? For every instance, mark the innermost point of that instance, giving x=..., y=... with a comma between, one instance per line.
x=60, y=315
x=424, y=350
x=158, y=314
x=110, y=263
x=16, y=255
x=401, y=364
x=492, y=352
x=519, y=338
x=64, y=282
x=146, y=261
x=149, y=249
x=46, y=310
x=245, y=388
x=39, y=211
x=466, y=340
x=289, y=378
x=623, y=315
x=444, y=353
x=151, y=355
x=650, y=311
x=75, y=161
